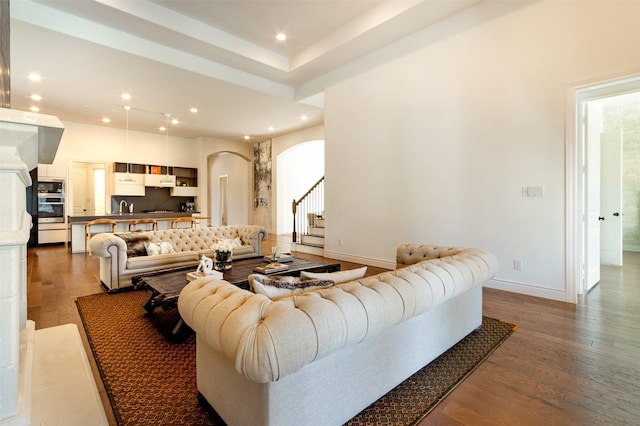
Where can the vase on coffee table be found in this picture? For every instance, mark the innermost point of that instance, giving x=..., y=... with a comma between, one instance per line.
x=222, y=261
x=223, y=248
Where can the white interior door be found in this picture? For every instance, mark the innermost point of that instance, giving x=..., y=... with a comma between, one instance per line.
x=80, y=190
x=611, y=199
x=592, y=131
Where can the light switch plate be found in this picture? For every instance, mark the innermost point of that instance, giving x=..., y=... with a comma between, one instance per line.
x=533, y=191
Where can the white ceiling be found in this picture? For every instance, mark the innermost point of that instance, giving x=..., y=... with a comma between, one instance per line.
x=219, y=56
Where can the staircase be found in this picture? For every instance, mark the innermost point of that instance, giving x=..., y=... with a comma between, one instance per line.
x=308, y=215
x=315, y=232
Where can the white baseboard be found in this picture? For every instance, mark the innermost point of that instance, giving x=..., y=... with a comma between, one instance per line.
x=495, y=283
x=528, y=289
x=380, y=263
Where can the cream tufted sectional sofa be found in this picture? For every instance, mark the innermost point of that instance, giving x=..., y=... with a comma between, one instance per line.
x=117, y=267
x=322, y=356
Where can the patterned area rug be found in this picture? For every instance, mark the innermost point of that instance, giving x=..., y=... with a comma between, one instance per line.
x=150, y=375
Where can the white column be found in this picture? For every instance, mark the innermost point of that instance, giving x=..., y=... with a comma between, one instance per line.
x=24, y=140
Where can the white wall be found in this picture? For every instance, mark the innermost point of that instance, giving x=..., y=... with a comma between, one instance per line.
x=84, y=142
x=435, y=146
x=88, y=143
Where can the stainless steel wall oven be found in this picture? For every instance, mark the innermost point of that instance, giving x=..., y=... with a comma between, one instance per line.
x=51, y=211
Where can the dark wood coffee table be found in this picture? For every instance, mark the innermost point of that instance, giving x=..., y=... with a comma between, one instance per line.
x=167, y=284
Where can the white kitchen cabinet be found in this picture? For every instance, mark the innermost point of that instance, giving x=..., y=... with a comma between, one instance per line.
x=184, y=191
x=186, y=182
x=134, y=188
x=56, y=170
x=159, y=180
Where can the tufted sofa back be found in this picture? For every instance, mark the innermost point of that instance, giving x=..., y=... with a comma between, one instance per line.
x=408, y=254
x=199, y=239
x=266, y=340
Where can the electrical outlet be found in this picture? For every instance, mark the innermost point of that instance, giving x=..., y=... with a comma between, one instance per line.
x=517, y=264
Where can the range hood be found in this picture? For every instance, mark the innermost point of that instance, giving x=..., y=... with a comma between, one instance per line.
x=18, y=127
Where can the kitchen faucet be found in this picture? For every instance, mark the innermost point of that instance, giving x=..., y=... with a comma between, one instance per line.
x=125, y=203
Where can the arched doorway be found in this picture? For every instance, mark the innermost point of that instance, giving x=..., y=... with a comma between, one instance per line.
x=298, y=168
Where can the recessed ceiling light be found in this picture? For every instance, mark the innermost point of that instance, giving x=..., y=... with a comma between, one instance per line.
x=194, y=110
x=281, y=36
x=35, y=77
x=162, y=129
x=247, y=137
x=35, y=109
x=106, y=120
x=126, y=96
x=271, y=128
x=304, y=117
x=36, y=97
x=174, y=121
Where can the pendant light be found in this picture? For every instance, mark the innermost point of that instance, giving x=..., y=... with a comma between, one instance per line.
x=167, y=180
x=128, y=179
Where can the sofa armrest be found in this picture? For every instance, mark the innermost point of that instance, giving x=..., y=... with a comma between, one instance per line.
x=104, y=244
x=254, y=235
x=409, y=254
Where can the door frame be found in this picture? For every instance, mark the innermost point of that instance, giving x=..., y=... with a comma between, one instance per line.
x=574, y=154
x=223, y=199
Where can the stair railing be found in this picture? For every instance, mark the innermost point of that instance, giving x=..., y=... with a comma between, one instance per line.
x=309, y=206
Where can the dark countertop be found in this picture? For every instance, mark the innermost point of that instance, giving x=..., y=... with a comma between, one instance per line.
x=126, y=217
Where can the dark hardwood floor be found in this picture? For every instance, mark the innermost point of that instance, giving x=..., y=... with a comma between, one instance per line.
x=565, y=365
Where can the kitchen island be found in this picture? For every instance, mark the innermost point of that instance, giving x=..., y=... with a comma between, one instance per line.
x=164, y=219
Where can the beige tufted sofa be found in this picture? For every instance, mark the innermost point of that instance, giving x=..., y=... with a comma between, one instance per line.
x=322, y=356
x=408, y=254
x=117, y=268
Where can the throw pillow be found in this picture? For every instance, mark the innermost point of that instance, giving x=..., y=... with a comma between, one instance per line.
x=135, y=243
x=159, y=248
x=339, y=276
x=277, y=286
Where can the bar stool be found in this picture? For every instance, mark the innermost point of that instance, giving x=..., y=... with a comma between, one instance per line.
x=88, y=234
x=175, y=223
x=146, y=222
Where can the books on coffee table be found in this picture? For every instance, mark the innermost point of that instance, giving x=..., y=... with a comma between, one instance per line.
x=271, y=268
x=195, y=275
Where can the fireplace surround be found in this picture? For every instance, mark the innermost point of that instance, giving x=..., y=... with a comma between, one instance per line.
x=25, y=140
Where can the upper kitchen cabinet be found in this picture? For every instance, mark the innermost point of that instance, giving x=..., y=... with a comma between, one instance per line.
x=131, y=184
x=56, y=170
x=182, y=181
x=164, y=180
x=186, y=182
x=128, y=179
